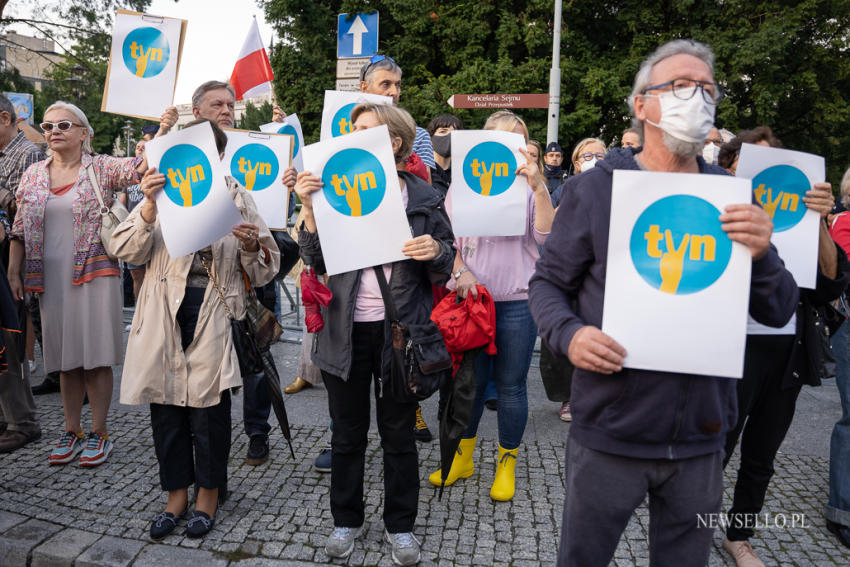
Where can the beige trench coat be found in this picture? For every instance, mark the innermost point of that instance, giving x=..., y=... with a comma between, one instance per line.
x=156, y=369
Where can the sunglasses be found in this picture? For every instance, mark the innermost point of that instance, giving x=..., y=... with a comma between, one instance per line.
x=62, y=125
x=372, y=60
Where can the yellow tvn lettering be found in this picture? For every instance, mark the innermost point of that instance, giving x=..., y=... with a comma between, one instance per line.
x=345, y=126
x=783, y=201
x=251, y=171
x=702, y=248
x=142, y=57
x=184, y=185
x=480, y=170
x=360, y=182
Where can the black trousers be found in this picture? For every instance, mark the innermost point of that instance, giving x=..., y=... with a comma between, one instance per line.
x=765, y=412
x=192, y=445
x=349, y=405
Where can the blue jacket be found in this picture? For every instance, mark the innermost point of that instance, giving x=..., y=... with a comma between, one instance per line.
x=634, y=413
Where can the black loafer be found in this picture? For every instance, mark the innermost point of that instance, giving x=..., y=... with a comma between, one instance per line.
x=162, y=525
x=199, y=524
x=842, y=532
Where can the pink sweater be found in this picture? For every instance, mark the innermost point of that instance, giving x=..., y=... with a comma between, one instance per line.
x=502, y=264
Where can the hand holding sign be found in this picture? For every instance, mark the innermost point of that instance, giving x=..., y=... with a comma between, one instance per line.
x=750, y=225
x=593, y=350
x=819, y=199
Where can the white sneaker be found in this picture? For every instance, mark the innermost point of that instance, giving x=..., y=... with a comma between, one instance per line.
x=341, y=541
x=405, y=548
x=742, y=552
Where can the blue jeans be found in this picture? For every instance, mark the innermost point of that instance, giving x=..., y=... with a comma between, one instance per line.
x=508, y=369
x=838, y=507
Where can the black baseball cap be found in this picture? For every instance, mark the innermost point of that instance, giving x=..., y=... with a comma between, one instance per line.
x=554, y=147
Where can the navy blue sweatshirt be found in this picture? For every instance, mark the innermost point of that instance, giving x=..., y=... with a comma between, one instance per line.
x=634, y=413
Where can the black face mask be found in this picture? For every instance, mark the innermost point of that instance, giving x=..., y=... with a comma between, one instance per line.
x=442, y=145
x=552, y=170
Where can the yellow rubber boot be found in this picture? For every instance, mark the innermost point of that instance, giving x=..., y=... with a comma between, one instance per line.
x=462, y=465
x=504, y=483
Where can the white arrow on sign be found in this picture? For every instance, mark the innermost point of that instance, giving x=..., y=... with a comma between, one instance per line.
x=451, y=101
x=357, y=29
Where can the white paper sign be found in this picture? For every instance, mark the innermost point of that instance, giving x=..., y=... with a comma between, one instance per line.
x=143, y=64
x=336, y=114
x=677, y=288
x=359, y=211
x=780, y=179
x=291, y=126
x=195, y=208
x=487, y=197
x=257, y=161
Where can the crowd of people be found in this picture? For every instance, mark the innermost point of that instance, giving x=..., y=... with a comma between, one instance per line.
x=634, y=433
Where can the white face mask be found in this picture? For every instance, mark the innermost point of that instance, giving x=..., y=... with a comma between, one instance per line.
x=588, y=165
x=688, y=120
x=710, y=152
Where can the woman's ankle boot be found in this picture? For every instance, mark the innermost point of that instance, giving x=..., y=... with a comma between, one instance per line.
x=505, y=481
x=462, y=465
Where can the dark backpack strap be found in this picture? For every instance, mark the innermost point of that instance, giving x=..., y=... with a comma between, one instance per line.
x=385, y=292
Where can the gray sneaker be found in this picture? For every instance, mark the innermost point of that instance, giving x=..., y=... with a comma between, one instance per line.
x=341, y=541
x=405, y=548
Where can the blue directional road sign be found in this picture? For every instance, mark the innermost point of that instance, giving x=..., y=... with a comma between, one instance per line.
x=357, y=35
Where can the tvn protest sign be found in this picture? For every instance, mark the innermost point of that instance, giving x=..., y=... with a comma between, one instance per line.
x=195, y=208
x=336, y=113
x=143, y=64
x=780, y=179
x=677, y=288
x=290, y=126
x=23, y=105
x=257, y=161
x=359, y=212
x=487, y=197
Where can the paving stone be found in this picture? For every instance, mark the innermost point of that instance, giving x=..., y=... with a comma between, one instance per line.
x=17, y=543
x=157, y=555
x=110, y=551
x=7, y=520
x=63, y=548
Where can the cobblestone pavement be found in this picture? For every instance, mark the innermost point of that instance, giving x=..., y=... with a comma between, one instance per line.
x=278, y=513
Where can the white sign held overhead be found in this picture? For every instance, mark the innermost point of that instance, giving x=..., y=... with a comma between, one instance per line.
x=780, y=179
x=195, y=207
x=291, y=125
x=673, y=268
x=359, y=211
x=487, y=197
x=257, y=161
x=336, y=113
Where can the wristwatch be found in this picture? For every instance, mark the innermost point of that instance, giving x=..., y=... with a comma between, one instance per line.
x=460, y=272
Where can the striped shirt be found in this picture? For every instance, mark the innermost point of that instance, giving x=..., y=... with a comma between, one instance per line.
x=15, y=158
x=422, y=147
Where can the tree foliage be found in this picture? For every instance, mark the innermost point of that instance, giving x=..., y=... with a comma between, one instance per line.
x=255, y=116
x=784, y=63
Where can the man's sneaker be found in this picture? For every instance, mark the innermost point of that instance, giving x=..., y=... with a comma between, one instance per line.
x=420, y=428
x=405, y=548
x=341, y=541
x=69, y=445
x=565, y=413
x=323, y=461
x=97, y=449
x=258, y=450
x=742, y=552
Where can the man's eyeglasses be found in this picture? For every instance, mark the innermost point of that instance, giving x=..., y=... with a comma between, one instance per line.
x=587, y=156
x=372, y=60
x=62, y=125
x=685, y=89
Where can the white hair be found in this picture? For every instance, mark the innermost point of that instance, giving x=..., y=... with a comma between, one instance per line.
x=81, y=118
x=643, y=78
x=844, y=191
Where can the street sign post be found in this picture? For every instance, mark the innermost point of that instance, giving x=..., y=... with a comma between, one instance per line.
x=357, y=36
x=528, y=100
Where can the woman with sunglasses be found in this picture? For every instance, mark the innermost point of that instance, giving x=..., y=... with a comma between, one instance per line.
x=56, y=239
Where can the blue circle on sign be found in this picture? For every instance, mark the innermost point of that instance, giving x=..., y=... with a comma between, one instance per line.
x=780, y=190
x=290, y=129
x=341, y=121
x=146, y=52
x=678, y=246
x=489, y=168
x=354, y=182
x=188, y=175
x=254, y=166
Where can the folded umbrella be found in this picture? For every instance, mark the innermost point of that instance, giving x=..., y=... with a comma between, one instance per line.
x=457, y=413
x=313, y=295
x=276, y=395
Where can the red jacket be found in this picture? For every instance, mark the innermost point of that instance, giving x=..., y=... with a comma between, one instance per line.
x=467, y=325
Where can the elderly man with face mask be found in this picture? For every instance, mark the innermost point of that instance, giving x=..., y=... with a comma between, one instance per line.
x=639, y=432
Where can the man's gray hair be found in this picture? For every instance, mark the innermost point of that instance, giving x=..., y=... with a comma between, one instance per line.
x=81, y=118
x=7, y=106
x=676, y=47
x=207, y=87
x=386, y=64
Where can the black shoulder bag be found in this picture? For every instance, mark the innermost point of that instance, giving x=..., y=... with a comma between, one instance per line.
x=420, y=362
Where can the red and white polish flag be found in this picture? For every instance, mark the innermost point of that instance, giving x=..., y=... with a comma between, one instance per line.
x=252, y=74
